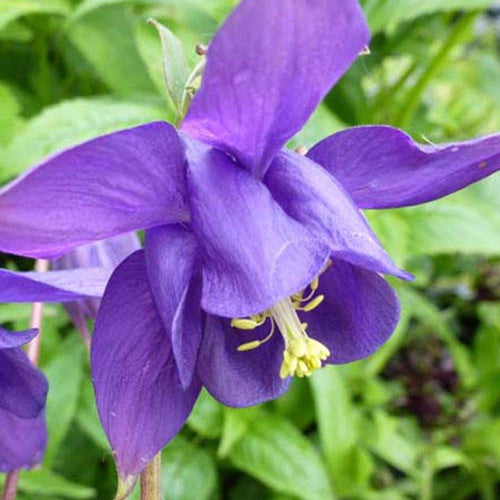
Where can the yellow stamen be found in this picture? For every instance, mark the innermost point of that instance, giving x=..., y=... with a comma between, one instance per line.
x=310, y=306
x=244, y=324
x=302, y=355
x=249, y=346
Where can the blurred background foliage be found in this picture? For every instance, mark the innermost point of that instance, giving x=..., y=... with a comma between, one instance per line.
x=419, y=419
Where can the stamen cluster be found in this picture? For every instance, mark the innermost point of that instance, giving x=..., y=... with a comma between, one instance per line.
x=302, y=355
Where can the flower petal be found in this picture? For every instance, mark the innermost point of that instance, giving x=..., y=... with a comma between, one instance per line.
x=114, y=184
x=9, y=339
x=253, y=254
x=240, y=378
x=268, y=67
x=382, y=167
x=23, y=388
x=314, y=198
x=53, y=286
x=358, y=315
x=22, y=441
x=106, y=253
x=176, y=288
x=139, y=395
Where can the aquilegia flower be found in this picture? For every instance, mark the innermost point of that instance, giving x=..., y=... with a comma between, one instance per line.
x=258, y=263
x=23, y=391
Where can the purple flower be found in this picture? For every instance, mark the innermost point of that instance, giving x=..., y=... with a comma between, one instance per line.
x=258, y=263
x=23, y=390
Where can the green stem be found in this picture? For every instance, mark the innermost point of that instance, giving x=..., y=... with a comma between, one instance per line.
x=151, y=480
x=386, y=95
x=407, y=112
x=426, y=482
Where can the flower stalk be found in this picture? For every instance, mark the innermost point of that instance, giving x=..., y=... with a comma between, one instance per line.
x=10, y=488
x=151, y=480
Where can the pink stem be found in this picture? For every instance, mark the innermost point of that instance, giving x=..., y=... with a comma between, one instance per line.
x=33, y=348
x=33, y=353
x=10, y=488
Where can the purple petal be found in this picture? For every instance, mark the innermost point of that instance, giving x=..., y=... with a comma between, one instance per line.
x=176, y=288
x=114, y=184
x=253, y=254
x=22, y=441
x=314, y=198
x=382, y=167
x=358, y=315
x=106, y=253
x=53, y=286
x=268, y=67
x=240, y=378
x=139, y=395
x=23, y=388
x=9, y=339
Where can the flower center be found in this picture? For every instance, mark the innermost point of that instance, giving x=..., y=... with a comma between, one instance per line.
x=302, y=355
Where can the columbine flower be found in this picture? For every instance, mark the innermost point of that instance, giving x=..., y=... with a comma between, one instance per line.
x=23, y=390
x=258, y=263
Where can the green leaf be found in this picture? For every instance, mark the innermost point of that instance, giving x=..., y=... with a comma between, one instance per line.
x=207, y=416
x=443, y=457
x=393, y=230
x=105, y=37
x=10, y=118
x=299, y=395
x=70, y=123
x=322, y=123
x=337, y=426
x=188, y=472
x=65, y=375
x=386, y=14
x=87, y=417
x=11, y=10
x=384, y=437
x=234, y=429
x=43, y=483
x=15, y=31
x=486, y=358
x=175, y=67
x=466, y=222
x=277, y=454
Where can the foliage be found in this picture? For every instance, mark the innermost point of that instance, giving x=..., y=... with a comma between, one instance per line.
x=420, y=418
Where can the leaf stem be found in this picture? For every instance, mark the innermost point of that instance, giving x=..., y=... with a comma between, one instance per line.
x=426, y=481
x=151, y=480
x=33, y=353
x=405, y=116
